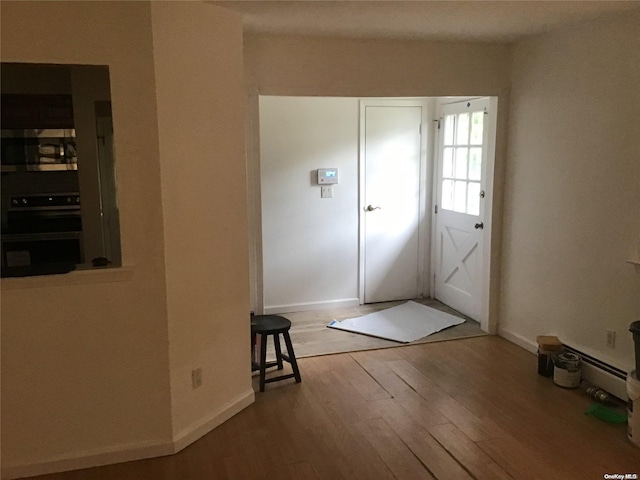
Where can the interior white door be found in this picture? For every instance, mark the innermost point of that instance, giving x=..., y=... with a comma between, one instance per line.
x=391, y=202
x=465, y=155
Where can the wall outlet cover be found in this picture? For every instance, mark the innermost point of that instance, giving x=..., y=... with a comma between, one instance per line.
x=610, y=340
x=196, y=377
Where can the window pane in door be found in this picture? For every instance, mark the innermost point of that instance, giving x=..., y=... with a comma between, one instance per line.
x=475, y=163
x=460, y=197
x=447, y=162
x=461, y=163
x=462, y=137
x=448, y=129
x=447, y=194
x=476, y=128
x=473, y=199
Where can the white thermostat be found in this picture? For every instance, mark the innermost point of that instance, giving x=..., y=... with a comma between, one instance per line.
x=327, y=176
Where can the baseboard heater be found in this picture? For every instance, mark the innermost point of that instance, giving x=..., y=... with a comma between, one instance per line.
x=602, y=375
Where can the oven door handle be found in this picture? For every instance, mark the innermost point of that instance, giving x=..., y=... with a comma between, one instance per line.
x=36, y=237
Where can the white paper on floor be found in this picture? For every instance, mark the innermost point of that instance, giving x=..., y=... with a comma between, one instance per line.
x=405, y=323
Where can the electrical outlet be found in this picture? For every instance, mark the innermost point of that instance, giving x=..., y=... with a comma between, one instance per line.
x=196, y=377
x=610, y=340
x=326, y=192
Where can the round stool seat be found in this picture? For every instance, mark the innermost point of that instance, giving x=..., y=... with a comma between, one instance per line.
x=274, y=325
x=269, y=324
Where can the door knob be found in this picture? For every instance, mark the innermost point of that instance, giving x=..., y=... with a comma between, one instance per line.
x=371, y=208
x=479, y=226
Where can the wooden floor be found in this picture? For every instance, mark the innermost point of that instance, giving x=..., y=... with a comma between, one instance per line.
x=463, y=409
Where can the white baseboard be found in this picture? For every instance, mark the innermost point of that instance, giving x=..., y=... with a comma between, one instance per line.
x=89, y=458
x=199, y=429
x=130, y=452
x=590, y=373
x=306, y=306
x=518, y=340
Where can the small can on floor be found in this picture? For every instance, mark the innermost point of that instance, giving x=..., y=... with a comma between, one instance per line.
x=548, y=348
x=567, y=370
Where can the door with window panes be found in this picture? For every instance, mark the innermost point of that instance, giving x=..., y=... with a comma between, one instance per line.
x=460, y=228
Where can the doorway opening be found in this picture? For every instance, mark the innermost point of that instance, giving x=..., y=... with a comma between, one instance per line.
x=376, y=234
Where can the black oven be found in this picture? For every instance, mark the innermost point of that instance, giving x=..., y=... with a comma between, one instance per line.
x=50, y=149
x=42, y=229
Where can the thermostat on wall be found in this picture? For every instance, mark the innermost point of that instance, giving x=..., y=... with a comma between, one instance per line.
x=327, y=176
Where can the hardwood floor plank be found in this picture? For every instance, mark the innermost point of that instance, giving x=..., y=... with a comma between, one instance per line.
x=436, y=459
x=302, y=471
x=520, y=462
x=336, y=414
x=548, y=435
x=241, y=467
x=372, y=362
x=309, y=426
x=343, y=401
x=481, y=466
x=475, y=427
x=454, y=376
x=395, y=453
x=347, y=368
x=422, y=412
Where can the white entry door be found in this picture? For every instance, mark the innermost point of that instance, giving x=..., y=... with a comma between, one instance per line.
x=462, y=220
x=390, y=201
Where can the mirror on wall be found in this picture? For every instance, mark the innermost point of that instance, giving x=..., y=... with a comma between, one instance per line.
x=59, y=192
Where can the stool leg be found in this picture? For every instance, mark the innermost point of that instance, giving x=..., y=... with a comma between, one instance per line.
x=276, y=343
x=263, y=360
x=292, y=357
x=253, y=348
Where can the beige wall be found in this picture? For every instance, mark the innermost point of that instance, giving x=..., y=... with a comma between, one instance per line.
x=85, y=365
x=96, y=365
x=572, y=204
x=204, y=205
x=325, y=66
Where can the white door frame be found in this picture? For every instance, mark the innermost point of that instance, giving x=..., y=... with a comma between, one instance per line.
x=487, y=323
x=426, y=180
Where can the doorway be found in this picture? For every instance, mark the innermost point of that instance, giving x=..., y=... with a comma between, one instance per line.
x=463, y=190
x=311, y=248
x=392, y=165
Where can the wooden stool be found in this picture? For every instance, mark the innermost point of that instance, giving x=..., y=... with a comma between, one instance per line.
x=275, y=325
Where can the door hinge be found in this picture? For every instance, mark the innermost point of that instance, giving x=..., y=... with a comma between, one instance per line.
x=420, y=129
x=435, y=209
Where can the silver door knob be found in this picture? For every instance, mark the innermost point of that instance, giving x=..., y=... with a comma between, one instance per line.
x=371, y=208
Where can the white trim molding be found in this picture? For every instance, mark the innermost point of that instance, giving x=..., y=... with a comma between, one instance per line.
x=306, y=306
x=89, y=458
x=130, y=452
x=199, y=429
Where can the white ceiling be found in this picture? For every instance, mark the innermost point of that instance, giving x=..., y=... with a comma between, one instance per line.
x=484, y=20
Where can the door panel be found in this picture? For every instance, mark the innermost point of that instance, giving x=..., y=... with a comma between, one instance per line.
x=391, y=213
x=461, y=224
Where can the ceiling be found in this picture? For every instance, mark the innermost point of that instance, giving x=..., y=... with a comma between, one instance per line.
x=480, y=20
